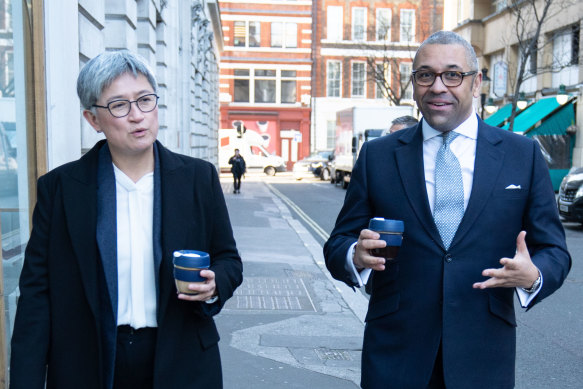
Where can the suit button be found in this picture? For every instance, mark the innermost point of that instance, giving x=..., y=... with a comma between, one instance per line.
x=448, y=258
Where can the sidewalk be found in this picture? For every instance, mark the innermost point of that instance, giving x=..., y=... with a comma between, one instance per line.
x=289, y=325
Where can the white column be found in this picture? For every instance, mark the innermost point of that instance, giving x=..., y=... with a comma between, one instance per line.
x=62, y=68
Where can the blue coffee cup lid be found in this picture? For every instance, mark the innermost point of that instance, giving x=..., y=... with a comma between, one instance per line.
x=191, y=259
x=386, y=225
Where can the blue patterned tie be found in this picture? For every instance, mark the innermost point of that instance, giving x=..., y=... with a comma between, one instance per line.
x=448, y=209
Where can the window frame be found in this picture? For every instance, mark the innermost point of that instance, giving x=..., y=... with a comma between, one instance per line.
x=284, y=35
x=354, y=26
x=353, y=79
x=329, y=80
x=403, y=36
x=247, y=37
x=387, y=74
x=334, y=22
x=409, y=90
x=387, y=35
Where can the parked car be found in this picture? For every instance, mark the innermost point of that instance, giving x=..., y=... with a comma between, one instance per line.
x=314, y=165
x=570, y=200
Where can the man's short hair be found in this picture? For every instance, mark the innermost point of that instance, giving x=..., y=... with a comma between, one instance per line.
x=451, y=38
x=408, y=121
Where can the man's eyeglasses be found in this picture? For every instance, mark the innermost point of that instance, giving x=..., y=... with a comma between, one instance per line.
x=450, y=78
x=121, y=108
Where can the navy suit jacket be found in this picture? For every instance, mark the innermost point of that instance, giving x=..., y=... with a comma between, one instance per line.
x=425, y=298
x=63, y=327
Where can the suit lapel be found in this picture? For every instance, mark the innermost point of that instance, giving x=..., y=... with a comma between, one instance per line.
x=410, y=165
x=80, y=205
x=174, y=207
x=488, y=163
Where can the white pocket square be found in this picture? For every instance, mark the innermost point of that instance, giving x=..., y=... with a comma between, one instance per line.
x=512, y=186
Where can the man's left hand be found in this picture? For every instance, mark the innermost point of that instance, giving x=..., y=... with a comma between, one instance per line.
x=205, y=290
x=517, y=272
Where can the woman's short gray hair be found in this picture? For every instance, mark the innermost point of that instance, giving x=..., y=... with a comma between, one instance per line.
x=451, y=38
x=102, y=70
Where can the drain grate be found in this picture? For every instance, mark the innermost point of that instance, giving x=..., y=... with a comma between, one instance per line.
x=271, y=293
x=333, y=355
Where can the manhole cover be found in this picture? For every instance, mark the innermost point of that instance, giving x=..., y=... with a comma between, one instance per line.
x=271, y=293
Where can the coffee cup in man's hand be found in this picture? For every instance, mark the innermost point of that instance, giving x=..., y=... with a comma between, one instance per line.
x=391, y=231
x=187, y=267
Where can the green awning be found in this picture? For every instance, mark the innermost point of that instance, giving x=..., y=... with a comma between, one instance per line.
x=555, y=124
x=534, y=114
x=498, y=117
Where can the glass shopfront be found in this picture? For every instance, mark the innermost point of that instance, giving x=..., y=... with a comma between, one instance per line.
x=18, y=169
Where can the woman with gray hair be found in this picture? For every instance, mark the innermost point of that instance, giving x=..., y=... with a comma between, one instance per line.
x=98, y=306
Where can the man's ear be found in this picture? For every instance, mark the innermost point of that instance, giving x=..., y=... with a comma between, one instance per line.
x=477, y=85
x=92, y=119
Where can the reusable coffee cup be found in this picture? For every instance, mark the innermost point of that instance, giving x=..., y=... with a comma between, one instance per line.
x=187, y=267
x=391, y=231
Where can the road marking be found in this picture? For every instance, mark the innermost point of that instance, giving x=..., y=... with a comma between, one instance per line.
x=309, y=221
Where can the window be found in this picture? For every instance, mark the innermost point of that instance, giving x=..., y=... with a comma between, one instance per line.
x=358, y=24
x=334, y=23
x=288, y=86
x=383, y=26
x=529, y=82
x=358, y=79
x=330, y=134
x=291, y=35
x=254, y=34
x=532, y=60
x=381, y=71
x=241, y=86
x=405, y=70
x=565, y=57
x=17, y=169
x=240, y=34
x=284, y=35
x=333, y=77
x=264, y=86
x=407, y=25
x=247, y=32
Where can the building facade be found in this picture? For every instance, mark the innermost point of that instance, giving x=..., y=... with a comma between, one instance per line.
x=43, y=45
x=355, y=43
x=265, y=72
x=493, y=29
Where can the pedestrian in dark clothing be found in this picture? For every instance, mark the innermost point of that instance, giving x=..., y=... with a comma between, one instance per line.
x=238, y=168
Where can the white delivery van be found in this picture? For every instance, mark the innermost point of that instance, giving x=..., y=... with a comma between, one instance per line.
x=250, y=145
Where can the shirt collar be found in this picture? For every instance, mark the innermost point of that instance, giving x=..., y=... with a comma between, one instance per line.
x=468, y=128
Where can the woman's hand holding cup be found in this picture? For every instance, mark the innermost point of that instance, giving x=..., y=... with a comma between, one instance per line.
x=194, y=280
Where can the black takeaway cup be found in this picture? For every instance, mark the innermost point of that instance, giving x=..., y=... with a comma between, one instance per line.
x=391, y=231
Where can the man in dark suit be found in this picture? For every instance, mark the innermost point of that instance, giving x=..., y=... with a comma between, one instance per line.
x=481, y=224
x=99, y=307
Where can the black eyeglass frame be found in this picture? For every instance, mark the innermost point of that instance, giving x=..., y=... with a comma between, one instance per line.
x=440, y=75
x=130, y=105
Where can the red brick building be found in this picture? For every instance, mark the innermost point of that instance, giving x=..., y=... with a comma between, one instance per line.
x=265, y=72
x=346, y=34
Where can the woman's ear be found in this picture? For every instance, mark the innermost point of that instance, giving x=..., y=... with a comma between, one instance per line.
x=92, y=119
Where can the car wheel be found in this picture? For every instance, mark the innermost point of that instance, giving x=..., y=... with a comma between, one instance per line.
x=325, y=175
x=270, y=171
